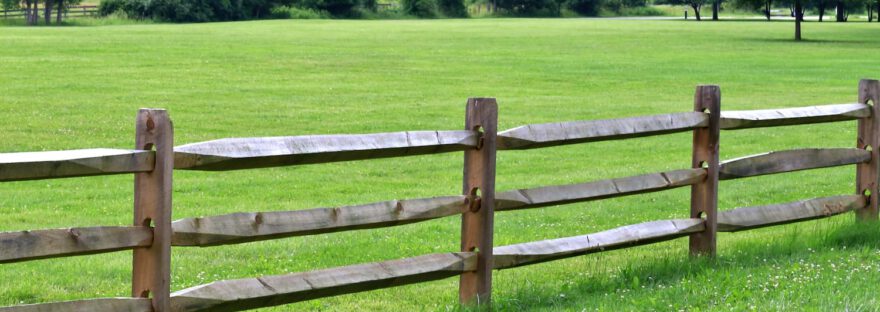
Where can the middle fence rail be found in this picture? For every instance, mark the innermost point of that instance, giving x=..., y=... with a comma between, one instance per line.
x=153, y=233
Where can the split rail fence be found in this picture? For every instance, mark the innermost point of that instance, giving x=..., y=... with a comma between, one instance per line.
x=153, y=233
x=70, y=11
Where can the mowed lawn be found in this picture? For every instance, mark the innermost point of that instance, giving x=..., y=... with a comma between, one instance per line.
x=80, y=87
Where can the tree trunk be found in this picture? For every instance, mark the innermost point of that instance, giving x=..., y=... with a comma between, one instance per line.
x=47, y=11
x=36, y=13
x=27, y=11
x=841, y=8
x=799, y=16
x=878, y=11
x=870, y=13
x=821, y=9
x=696, y=11
x=767, y=6
x=60, y=11
x=715, y=6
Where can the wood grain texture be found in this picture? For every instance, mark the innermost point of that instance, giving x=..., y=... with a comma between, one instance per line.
x=571, y=193
x=89, y=305
x=245, y=153
x=573, y=132
x=247, y=227
x=252, y=293
x=478, y=183
x=756, y=217
x=31, y=245
x=731, y=120
x=791, y=160
x=622, y=237
x=151, y=266
x=868, y=173
x=73, y=163
x=704, y=154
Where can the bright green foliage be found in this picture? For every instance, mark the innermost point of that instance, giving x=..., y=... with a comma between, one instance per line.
x=80, y=87
x=9, y=4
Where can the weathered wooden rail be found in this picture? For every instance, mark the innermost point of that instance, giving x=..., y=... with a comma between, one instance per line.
x=153, y=233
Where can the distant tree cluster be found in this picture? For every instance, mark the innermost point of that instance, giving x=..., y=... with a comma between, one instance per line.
x=225, y=10
x=796, y=8
x=33, y=8
x=840, y=8
x=230, y=10
x=556, y=7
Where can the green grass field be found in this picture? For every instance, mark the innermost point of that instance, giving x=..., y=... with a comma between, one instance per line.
x=80, y=87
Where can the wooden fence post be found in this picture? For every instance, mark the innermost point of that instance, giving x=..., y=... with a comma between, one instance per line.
x=151, y=272
x=704, y=195
x=479, y=185
x=869, y=137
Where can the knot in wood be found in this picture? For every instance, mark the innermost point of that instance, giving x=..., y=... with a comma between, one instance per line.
x=151, y=124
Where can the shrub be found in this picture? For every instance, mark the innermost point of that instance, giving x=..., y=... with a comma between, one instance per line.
x=623, y=7
x=184, y=11
x=339, y=8
x=136, y=9
x=370, y=5
x=420, y=8
x=641, y=11
x=298, y=13
x=530, y=7
x=452, y=8
x=585, y=7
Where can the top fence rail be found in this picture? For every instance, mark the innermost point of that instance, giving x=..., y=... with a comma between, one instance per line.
x=263, y=152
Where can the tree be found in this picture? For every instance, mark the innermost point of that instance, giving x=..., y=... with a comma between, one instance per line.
x=35, y=13
x=841, y=15
x=870, y=12
x=820, y=6
x=47, y=11
x=716, y=6
x=844, y=7
x=798, y=18
x=694, y=4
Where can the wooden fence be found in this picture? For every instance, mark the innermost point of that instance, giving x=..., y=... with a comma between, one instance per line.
x=70, y=11
x=153, y=233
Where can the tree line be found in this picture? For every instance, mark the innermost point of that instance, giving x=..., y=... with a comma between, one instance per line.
x=230, y=10
x=797, y=8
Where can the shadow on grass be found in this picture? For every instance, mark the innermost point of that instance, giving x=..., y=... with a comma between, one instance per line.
x=809, y=40
x=669, y=269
